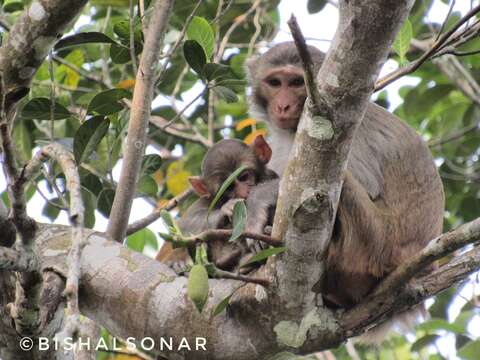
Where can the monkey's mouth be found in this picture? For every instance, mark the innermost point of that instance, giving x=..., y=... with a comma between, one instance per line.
x=287, y=122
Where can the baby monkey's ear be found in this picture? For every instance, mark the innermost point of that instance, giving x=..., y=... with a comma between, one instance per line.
x=199, y=186
x=262, y=149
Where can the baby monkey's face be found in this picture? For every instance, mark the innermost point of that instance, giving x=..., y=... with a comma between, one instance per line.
x=240, y=189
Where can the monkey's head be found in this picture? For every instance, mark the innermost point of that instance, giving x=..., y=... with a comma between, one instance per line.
x=223, y=159
x=278, y=88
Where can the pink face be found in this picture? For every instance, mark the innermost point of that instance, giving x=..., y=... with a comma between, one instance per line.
x=284, y=89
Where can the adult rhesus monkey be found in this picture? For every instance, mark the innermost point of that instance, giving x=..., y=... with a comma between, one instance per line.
x=392, y=198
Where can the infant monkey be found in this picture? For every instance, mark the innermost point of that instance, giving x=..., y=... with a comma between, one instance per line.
x=219, y=163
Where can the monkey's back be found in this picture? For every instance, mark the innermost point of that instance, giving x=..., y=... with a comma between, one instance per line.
x=391, y=205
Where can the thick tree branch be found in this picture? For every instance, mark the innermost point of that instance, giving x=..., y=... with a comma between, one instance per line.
x=29, y=42
x=308, y=199
x=160, y=306
x=398, y=280
x=360, y=318
x=67, y=163
x=139, y=118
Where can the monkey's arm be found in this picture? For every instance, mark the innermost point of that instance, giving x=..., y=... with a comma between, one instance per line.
x=193, y=222
x=261, y=204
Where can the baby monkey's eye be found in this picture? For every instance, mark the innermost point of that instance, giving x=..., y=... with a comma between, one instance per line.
x=246, y=176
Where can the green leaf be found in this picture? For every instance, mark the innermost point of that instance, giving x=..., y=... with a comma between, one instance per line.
x=137, y=240
x=239, y=220
x=214, y=71
x=170, y=222
x=13, y=6
x=90, y=204
x=167, y=218
x=23, y=140
x=262, y=255
x=119, y=54
x=105, y=201
x=122, y=30
x=198, y=286
x=108, y=102
x=200, y=30
x=195, y=56
x=83, y=38
x=167, y=237
x=470, y=351
x=424, y=341
x=441, y=324
x=151, y=163
x=91, y=182
x=39, y=109
x=88, y=136
x=150, y=239
x=402, y=42
x=222, y=305
x=201, y=255
x=226, y=94
x=147, y=185
x=50, y=210
x=224, y=187
x=315, y=6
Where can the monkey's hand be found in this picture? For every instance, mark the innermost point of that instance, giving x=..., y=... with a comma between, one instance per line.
x=227, y=208
x=260, y=210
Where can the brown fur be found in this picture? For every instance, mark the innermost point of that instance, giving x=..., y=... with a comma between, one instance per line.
x=392, y=199
x=220, y=161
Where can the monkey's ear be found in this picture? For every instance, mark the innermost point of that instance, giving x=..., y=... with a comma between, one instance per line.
x=199, y=186
x=262, y=149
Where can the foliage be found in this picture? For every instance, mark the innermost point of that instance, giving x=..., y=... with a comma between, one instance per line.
x=93, y=78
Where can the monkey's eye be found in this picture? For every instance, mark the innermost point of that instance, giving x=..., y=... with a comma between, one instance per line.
x=297, y=82
x=274, y=82
x=247, y=176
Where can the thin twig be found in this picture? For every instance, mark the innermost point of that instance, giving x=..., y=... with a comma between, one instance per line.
x=180, y=113
x=248, y=279
x=155, y=214
x=133, y=56
x=306, y=59
x=237, y=22
x=223, y=234
x=452, y=137
x=173, y=49
x=437, y=45
x=452, y=4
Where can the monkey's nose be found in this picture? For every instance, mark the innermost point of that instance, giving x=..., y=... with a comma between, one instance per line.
x=283, y=109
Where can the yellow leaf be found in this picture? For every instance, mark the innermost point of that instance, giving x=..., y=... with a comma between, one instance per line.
x=72, y=77
x=244, y=123
x=177, y=178
x=126, y=84
x=250, y=137
x=158, y=176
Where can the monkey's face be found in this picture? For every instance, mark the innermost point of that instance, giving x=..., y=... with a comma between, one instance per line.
x=244, y=183
x=285, y=92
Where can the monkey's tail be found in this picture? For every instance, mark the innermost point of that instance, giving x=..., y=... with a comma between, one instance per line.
x=403, y=322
